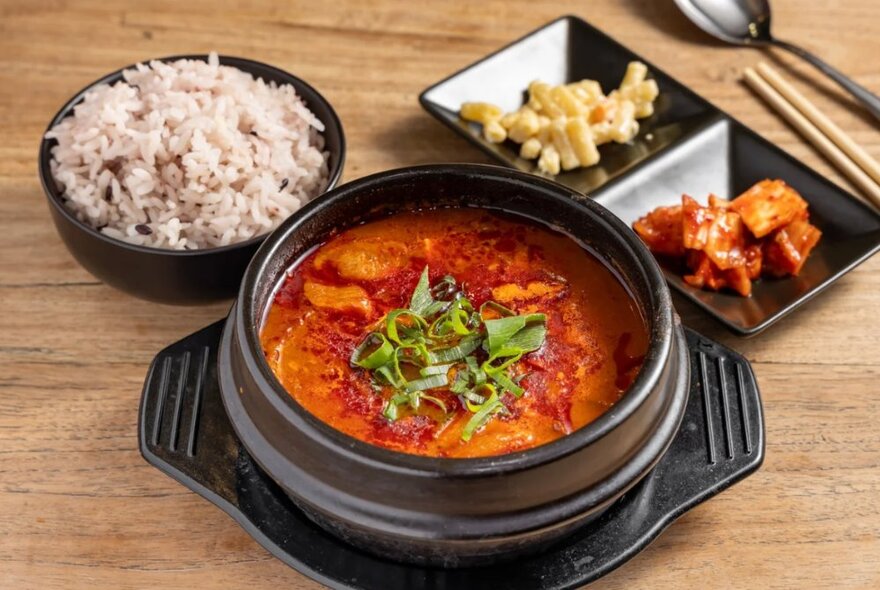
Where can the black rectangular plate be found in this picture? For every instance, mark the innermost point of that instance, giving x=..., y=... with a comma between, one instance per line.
x=687, y=146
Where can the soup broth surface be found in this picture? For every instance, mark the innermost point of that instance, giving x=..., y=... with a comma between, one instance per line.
x=331, y=299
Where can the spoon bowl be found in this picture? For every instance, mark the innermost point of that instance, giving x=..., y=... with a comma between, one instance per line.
x=747, y=22
x=739, y=22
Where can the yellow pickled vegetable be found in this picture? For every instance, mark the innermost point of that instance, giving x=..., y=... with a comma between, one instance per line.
x=480, y=112
x=562, y=126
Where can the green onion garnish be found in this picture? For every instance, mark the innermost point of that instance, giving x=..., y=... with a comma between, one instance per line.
x=441, y=343
x=429, y=382
x=378, y=356
x=391, y=324
x=458, y=352
x=421, y=297
x=485, y=411
x=435, y=370
x=497, y=307
x=501, y=334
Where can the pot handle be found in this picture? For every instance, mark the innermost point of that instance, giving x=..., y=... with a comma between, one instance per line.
x=728, y=400
x=182, y=425
x=721, y=437
x=720, y=441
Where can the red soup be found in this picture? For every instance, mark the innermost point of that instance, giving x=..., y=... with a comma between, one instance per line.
x=453, y=333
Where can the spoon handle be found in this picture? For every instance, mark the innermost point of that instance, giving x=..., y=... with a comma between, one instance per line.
x=862, y=94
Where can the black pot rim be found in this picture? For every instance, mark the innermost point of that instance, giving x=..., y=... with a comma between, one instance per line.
x=54, y=196
x=660, y=321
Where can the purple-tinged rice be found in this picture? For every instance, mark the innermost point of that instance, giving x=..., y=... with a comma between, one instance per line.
x=188, y=155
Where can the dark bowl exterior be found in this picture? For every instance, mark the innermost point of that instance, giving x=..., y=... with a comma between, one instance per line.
x=453, y=512
x=149, y=273
x=172, y=276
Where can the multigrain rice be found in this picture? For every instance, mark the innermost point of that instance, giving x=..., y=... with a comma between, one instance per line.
x=188, y=155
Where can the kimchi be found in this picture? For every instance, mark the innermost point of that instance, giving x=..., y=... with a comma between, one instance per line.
x=765, y=231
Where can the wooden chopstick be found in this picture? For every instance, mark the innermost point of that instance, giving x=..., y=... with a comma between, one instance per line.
x=820, y=120
x=812, y=133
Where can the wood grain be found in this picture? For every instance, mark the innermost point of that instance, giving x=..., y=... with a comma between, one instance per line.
x=79, y=508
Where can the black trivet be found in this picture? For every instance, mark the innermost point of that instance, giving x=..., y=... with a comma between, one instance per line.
x=184, y=432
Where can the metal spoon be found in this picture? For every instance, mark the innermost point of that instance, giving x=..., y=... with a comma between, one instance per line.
x=747, y=22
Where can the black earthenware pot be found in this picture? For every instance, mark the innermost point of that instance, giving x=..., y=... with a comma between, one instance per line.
x=452, y=512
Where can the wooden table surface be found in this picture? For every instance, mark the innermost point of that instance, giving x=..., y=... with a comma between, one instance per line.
x=79, y=508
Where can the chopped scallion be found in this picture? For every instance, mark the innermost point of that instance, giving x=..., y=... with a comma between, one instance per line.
x=441, y=337
x=481, y=416
x=429, y=382
x=380, y=352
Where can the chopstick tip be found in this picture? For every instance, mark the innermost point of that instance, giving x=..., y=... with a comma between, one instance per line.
x=763, y=66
